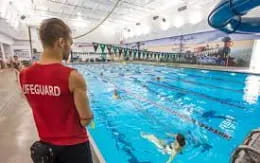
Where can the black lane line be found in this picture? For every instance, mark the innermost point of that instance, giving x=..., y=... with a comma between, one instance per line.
x=178, y=78
x=206, y=85
x=192, y=82
x=215, y=78
x=157, y=93
x=205, y=77
x=222, y=101
x=185, y=91
x=180, y=115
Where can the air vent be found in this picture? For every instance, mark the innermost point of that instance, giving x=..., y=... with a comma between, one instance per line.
x=163, y=19
x=155, y=17
x=182, y=8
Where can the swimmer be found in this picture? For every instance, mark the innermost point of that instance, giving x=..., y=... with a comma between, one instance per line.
x=101, y=74
x=116, y=94
x=169, y=147
x=158, y=78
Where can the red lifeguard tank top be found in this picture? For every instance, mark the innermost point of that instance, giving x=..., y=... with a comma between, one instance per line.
x=46, y=88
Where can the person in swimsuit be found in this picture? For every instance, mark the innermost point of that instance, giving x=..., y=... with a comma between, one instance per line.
x=170, y=147
x=116, y=94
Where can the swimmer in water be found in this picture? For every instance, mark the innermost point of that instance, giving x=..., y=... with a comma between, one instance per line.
x=116, y=94
x=101, y=74
x=158, y=78
x=170, y=147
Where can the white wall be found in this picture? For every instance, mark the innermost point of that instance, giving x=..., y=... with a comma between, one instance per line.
x=6, y=45
x=6, y=39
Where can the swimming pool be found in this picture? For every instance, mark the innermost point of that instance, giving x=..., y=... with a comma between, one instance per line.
x=214, y=110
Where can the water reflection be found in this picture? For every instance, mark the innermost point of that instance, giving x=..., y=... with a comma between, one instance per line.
x=252, y=89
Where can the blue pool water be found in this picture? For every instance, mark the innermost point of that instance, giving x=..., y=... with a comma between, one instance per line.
x=214, y=111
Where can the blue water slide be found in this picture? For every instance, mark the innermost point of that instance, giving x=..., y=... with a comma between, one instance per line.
x=228, y=15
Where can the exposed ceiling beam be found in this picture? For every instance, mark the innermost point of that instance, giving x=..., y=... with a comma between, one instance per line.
x=95, y=18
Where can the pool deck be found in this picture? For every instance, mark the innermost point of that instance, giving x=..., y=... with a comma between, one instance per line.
x=17, y=128
x=205, y=67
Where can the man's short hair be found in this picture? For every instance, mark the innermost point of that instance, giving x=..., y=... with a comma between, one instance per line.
x=51, y=30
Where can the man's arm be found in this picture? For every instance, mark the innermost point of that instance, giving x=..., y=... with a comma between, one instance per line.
x=78, y=87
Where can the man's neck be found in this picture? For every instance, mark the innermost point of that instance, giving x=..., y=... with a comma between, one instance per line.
x=50, y=56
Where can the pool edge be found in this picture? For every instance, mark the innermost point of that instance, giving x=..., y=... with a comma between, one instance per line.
x=97, y=157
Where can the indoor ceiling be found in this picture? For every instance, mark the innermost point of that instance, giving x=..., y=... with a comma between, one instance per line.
x=83, y=15
x=93, y=11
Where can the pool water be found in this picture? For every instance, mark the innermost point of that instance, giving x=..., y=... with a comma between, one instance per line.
x=214, y=111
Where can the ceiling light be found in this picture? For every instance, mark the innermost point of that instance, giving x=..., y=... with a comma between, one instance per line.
x=165, y=25
x=178, y=21
x=145, y=29
x=195, y=17
x=131, y=34
x=125, y=35
x=79, y=22
x=138, y=31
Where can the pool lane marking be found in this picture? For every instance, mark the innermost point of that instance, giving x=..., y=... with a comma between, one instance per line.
x=182, y=116
x=205, y=85
x=172, y=87
x=183, y=90
x=205, y=77
x=179, y=78
x=219, y=100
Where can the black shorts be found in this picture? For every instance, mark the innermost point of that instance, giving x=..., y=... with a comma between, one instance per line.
x=79, y=153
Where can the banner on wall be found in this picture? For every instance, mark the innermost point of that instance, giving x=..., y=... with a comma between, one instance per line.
x=212, y=47
x=115, y=49
x=109, y=48
x=102, y=46
x=23, y=54
x=120, y=51
x=95, y=46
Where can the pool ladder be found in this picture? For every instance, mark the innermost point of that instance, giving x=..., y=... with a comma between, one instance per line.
x=249, y=152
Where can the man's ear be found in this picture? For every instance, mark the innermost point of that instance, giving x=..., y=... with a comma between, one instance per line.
x=61, y=42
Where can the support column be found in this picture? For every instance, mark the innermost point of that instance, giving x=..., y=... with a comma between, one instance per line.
x=255, y=58
x=3, y=51
x=30, y=41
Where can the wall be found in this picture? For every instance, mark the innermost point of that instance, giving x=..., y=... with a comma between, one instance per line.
x=6, y=46
x=6, y=39
x=22, y=49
